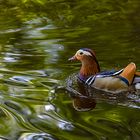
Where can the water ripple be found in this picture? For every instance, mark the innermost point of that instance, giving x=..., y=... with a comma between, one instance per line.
x=36, y=136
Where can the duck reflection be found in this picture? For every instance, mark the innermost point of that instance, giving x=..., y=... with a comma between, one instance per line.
x=82, y=101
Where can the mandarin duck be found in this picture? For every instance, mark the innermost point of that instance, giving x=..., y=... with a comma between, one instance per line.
x=110, y=81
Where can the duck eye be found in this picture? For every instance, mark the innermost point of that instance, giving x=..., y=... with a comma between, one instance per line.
x=81, y=53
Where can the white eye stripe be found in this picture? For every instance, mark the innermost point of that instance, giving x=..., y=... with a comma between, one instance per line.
x=84, y=52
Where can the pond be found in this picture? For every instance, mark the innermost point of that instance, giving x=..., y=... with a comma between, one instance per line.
x=36, y=39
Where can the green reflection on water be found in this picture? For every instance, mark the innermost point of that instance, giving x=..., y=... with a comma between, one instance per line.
x=36, y=39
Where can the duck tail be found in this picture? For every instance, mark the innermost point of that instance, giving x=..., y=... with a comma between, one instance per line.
x=137, y=73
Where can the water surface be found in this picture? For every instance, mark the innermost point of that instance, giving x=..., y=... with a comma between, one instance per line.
x=36, y=40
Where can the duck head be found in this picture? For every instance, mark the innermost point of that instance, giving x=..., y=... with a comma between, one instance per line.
x=89, y=62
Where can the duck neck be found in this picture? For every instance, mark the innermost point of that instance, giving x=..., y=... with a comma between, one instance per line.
x=89, y=67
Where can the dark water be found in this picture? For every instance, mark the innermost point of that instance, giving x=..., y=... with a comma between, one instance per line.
x=36, y=40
